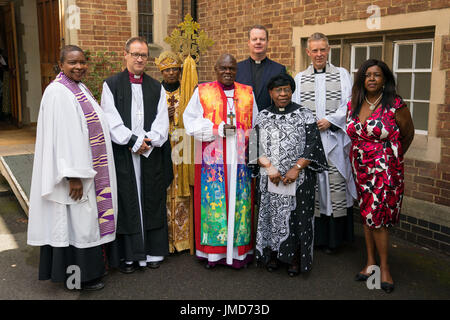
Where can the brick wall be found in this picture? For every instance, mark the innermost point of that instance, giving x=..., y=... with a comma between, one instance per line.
x=227, y=22
x=104, y=26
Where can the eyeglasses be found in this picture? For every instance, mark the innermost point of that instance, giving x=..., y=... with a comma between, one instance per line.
x=280, y=90
x=375, y=75
x=136, y=55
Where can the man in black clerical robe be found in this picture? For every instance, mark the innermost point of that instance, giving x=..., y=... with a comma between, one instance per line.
x=135, y=105
x=258, y=69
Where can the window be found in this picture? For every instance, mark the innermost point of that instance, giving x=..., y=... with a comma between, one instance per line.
x=145, y=17
x=362, y=52
x=412, y=69
x=335, y=55
x=408, y=54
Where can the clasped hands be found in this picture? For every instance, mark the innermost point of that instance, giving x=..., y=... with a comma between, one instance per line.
x=276, y=177
x=229, y=130
x=144, y=146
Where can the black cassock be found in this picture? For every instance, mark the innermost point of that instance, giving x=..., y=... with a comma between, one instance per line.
x=135, y=240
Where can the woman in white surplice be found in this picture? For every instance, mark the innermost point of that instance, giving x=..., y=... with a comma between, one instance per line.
x=63, y=216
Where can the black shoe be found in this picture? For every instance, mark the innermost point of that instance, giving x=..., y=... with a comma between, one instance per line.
x=209, y=266
x=272, y=265
x=93, y=285
x=127, y=268
x=361, y=277
x=154, y=264
x=387, y=287
x=293, y=270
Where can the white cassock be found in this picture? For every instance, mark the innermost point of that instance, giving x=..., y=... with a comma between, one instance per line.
x=202, y=129
x=336, y=144
x=120, y=134
x=63, y=150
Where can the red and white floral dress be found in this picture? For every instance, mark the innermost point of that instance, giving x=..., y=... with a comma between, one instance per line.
x=377, y=161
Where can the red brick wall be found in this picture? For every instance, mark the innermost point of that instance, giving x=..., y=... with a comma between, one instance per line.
x=104, y=26
x=227, y=22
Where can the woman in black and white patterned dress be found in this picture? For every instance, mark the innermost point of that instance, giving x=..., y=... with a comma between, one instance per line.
x=289, y=151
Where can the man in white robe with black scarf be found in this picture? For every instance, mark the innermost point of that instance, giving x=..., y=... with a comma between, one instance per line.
x=136, y=108
x=326, y=89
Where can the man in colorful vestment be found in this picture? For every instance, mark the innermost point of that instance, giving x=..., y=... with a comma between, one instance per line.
x=220, y=116
x=326, y=89
x=178, y=198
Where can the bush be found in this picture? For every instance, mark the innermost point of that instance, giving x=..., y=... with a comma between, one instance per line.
x=101, y=66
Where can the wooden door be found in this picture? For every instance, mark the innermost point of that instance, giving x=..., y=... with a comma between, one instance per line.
x=13, y=63
x=50, y=38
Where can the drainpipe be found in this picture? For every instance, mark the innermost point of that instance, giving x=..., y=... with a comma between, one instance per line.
x=194, y=10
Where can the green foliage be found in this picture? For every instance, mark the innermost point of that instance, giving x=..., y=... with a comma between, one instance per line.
x=101, y=66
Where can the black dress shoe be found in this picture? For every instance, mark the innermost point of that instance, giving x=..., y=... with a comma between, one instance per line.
x=93, y=285
x=387, y=287
x=209, y=266
x=154, y=264
x=272, y=265
x=361, y=277
x=127, y=268
x=293, y=270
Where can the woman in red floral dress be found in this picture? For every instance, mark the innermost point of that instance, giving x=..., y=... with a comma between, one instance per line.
x=381, y=129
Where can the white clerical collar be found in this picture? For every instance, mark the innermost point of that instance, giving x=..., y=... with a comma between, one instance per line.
x=259, y=61
x=137, y=76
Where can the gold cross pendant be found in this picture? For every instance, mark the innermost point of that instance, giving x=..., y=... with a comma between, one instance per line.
x=231, y=116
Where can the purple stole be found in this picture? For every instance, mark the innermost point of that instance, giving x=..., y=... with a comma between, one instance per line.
x=99, y=157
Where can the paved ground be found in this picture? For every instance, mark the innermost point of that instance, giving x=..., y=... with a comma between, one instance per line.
x=419, y=273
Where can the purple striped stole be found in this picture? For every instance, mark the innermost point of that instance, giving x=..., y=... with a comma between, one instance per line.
x=99, y=157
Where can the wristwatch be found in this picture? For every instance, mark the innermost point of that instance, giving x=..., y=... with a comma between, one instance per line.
x=298, y=166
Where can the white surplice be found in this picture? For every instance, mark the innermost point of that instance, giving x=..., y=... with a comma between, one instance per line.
x=202, y=130
x=120, y=134
x=336, y=144
x=63, y=150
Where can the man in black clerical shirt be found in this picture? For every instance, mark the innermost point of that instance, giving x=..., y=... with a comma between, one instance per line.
x=257, y=70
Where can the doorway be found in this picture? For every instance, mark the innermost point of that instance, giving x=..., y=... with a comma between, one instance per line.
x=11, y=107
x=50, y=38
x=31, y=36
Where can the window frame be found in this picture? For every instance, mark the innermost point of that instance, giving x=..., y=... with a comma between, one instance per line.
x=413, y=71
x=335, y=46
x=355, y=45
x=146, y=14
